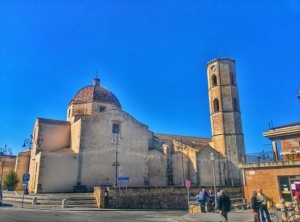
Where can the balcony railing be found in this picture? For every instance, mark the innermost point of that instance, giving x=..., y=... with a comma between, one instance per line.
x=261, y=157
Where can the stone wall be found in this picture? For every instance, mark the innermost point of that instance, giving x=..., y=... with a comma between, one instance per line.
x=21, y=167
x=57, y=172
x=48, y=131
x=159, y=197
x=98, y=150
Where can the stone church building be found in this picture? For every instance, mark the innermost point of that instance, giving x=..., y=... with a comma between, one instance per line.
x=99, y=142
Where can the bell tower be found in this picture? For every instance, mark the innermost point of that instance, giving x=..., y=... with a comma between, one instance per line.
x=225, y=115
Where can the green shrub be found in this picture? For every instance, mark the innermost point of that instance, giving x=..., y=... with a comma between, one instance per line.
x=11, y=180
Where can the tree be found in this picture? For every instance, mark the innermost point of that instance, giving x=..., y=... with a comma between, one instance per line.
x=11, y=180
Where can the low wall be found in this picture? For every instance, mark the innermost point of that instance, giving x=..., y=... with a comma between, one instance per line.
x=155, y=197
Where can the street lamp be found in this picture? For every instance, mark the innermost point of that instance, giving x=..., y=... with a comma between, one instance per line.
x=116, y=138
x=29, y=142
x=3, y=152
x=213, y=158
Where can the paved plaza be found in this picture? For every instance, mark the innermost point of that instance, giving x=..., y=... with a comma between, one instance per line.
x=13, y=212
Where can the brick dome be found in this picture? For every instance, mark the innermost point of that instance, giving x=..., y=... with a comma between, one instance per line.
x=95, y=93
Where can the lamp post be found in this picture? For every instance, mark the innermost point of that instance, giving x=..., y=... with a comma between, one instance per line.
x=27, y=142
x=213, y=158
x=3, y=152
x=116, y=138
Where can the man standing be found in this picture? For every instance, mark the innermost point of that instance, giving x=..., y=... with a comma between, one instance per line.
x=263, y=206
x=224, y=204
x=254, y=205
x=210, y=201
x=202, y=197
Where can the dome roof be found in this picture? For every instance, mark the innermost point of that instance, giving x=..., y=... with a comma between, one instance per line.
x=95, y=93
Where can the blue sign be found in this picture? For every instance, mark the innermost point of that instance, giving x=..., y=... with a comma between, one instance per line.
x=26, y=177
x=123, y=179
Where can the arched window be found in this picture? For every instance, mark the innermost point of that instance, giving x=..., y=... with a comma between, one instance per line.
x=216, y=105
x=214, y=80
x=235, y=105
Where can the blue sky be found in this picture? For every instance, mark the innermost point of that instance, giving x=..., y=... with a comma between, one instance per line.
x=152, y=55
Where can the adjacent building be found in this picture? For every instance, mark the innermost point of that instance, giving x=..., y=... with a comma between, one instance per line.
x=281, y=178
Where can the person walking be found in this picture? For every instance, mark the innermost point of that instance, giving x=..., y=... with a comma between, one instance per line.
x=255, y=205
x=202, y=197
x=224, y=204
x=210, y=201
x=263, y=209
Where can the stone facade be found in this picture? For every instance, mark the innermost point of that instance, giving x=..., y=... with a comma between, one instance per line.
x=21, y=166
x=227, y=133
x=100, y=142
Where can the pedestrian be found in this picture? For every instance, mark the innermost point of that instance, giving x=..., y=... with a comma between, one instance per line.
x=202, y=197
x=216, y=204
x=263, y=209
x=224, y=204
x=210, y=200
x=254, y=205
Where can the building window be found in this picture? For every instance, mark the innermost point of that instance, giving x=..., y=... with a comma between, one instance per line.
x=116, y=128
x=102, y=109
x=232, y=78
x=214, y=80
x=216, y=105
x=235, y=105
x=69, y=112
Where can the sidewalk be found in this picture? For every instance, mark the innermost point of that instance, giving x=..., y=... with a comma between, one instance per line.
x=233, y=216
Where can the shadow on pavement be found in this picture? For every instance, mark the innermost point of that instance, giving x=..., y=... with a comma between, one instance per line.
x=6, y=205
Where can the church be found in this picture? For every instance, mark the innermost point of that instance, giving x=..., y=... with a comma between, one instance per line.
x=100, y=144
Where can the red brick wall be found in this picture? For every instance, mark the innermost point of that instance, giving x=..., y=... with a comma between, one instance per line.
x=291, y=143
x=267, y=179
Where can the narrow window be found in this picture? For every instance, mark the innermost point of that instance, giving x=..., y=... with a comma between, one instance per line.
x=214, y=80
x=216, y=105
x=116, y=128
x=232, y=78
x=69, y=112
x=235, y=104
x=102, y=109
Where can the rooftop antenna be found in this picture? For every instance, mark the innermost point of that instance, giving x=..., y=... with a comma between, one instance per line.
x=272, y=124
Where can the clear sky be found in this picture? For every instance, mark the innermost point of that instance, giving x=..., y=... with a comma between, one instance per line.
x=152, y=55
